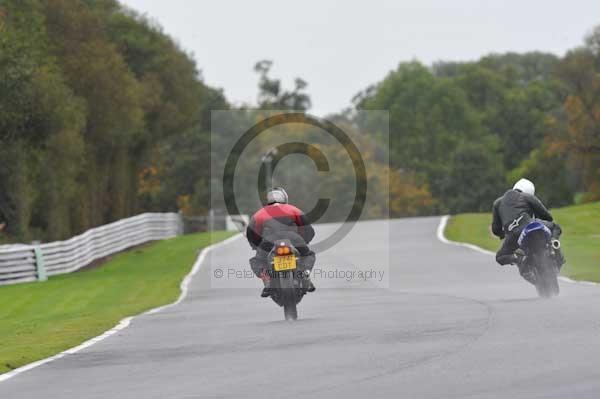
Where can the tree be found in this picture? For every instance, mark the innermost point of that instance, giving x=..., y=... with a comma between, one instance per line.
x=429, y=119
x=90, y=95
x=272, y=96
x=474, y=177
x=580, y=71
x=548, y=169
x=41, y=120
x=514, y=96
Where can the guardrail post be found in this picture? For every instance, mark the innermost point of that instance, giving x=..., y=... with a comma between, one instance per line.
x=180, y=225
x=39, y=262
x=211, y=220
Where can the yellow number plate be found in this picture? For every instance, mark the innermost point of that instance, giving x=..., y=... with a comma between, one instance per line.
x=281, y=263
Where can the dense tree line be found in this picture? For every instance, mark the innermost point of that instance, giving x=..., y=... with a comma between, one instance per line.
x=469, y=130
x=102, y=115
x=94, y=103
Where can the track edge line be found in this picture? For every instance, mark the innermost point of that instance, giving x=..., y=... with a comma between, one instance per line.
x=125, y=322
x=441, y=237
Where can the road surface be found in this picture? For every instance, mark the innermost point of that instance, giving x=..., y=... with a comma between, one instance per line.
x=445, y=322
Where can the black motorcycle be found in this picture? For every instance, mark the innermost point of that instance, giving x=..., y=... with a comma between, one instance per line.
x=540, y=263
x=288, y=283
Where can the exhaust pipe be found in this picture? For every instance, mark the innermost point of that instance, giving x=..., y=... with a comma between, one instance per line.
x=555, y=244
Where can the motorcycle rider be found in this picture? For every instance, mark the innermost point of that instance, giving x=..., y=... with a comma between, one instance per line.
x=275, y=221
x=511, y=214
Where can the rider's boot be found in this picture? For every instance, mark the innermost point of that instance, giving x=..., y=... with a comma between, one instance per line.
x=310, y=287
x=524, y=268
x=519, y=257
x=266, y=279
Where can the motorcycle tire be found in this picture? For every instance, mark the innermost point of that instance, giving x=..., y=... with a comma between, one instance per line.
x=546, y=278
x=290, y=311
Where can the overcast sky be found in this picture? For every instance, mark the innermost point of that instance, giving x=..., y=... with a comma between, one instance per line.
x=341, y=47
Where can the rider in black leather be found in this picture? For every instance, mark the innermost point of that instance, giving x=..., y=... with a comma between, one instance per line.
x=511, y=213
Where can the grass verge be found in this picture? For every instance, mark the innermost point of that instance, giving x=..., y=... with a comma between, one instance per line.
x=38, y=320
x=580, y=239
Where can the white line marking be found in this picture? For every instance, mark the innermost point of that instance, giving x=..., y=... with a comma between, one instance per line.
x=126, y=321
x=440, y=235
x=442, y=238
x=581, y=282
x=122, y=324
x=195, y=269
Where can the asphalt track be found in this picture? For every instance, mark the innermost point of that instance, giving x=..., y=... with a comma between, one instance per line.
x=445, y=322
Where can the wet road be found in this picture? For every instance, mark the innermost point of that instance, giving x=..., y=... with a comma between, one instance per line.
x=422, y=319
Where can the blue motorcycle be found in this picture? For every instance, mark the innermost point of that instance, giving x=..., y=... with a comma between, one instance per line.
x=540, y=261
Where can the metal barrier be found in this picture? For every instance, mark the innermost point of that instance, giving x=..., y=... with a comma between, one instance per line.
x=24, y=263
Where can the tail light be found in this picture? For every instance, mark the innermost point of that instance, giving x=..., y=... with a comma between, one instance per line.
x=283, y=249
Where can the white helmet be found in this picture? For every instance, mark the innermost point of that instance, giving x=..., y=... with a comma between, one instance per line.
x=277, y=195
x=525, y=186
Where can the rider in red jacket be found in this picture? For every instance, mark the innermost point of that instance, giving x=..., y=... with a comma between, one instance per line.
x=279, y=220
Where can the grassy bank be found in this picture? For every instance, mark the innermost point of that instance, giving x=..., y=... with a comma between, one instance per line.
x=38, y=320
x=580, y=240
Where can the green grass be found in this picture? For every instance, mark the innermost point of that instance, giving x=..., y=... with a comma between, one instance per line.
x=580, y=239
x=38, y=320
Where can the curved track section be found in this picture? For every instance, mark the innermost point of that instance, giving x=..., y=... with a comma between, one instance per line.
x=448, y=323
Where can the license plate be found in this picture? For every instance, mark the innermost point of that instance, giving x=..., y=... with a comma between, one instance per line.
x=281, y=263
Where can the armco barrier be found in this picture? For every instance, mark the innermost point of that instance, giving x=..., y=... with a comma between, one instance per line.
x=23, y=263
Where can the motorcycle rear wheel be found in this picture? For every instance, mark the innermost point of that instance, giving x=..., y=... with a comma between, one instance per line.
x=290, y=311
x=546, y=278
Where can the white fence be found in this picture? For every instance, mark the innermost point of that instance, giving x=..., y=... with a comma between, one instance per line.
x=23, y=263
